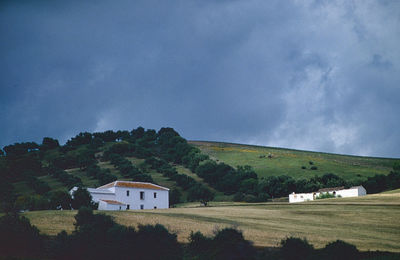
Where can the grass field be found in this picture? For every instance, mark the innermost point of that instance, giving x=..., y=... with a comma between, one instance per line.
x=289, y=162
x=370, y=222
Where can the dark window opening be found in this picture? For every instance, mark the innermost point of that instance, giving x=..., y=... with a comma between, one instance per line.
x=142, y=195
x=141, y=206
x=155, y=195
x=155, y=207
x=127, y=206
x=127, y=193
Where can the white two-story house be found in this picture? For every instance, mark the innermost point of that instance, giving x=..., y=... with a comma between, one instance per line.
x=125, y=195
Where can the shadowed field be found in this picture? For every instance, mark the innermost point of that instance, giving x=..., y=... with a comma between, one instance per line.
x=289, y=162
x=370, y=222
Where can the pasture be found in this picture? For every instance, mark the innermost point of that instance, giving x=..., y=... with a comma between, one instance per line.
x=370, y=222
x=269, y=161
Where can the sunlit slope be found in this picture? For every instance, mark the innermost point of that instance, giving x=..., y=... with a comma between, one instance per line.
x=370, y=222
x=268, y=161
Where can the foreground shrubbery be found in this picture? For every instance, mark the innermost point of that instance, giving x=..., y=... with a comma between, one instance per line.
x=97, y=236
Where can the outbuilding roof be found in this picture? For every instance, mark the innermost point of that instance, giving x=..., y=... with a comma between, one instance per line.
x=133, y=184
x=100, y=191
x=113, y=202
x=331, y=189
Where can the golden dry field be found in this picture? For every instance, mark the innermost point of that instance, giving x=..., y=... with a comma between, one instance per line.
x=371, y=222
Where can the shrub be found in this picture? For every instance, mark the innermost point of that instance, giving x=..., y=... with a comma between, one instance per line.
x=156, y=242
x=314, y=167
x=199, y=245
x=250, y=198
x=82, y=198
x=229, y=243
x=18, y=238
x=59, y=199
x=340, y=250
x=296, y=248
x=175, y=197
x=325, y=195
x=238, y=196
x=303, y=167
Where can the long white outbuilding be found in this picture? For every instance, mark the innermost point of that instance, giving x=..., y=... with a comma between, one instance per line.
x=337, y=192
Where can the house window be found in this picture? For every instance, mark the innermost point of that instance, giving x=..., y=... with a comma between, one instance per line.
x=127, y=193
x=142, y=195
x=155, y=207
x=141, y=206
x=155, y=195
x=127, y=206
x=119, y=207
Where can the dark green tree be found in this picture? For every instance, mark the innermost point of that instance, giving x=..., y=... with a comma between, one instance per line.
x=339, y=250
x=60, y=200
x=295, y=248
x=229, y=243
x=49, y=144
x=19, y=239
x=174, y=197
x=200, y=193
x=82, y=198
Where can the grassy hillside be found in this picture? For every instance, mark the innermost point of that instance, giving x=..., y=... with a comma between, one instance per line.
x=290, y=162
x=370, y=222
x=22, y=188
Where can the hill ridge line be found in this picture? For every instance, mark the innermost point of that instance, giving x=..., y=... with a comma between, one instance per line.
x=291, y=149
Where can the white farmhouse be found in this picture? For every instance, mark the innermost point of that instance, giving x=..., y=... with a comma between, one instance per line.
x=337, y=191
x=124, y=195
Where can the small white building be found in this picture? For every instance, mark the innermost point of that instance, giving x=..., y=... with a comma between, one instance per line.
x=111, y=205
x=300, y=197
x=124, y=195
x=337, y=192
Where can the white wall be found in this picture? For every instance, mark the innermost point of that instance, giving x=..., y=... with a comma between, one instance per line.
x=133, y=200
x=300, y=197
x=149, y=202
x=107, y=206
x=354, y=192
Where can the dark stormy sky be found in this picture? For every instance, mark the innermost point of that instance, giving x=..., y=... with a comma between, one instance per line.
x=315, y=75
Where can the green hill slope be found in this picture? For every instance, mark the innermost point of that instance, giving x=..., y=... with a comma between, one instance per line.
x=195, y=171
x=22, y=188
x=268, y=161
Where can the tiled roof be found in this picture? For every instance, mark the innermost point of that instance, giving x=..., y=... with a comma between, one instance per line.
x=331, y=189
x=133, y=184
x=113, y=202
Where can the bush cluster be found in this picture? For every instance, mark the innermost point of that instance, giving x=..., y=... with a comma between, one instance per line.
x=96, y=236
x=196, y=191
x=127, y=169
x=64, y=177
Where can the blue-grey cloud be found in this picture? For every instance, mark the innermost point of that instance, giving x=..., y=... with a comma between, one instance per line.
x=319, y=75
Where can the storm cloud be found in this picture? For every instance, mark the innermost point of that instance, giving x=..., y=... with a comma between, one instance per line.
x=314, y=75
